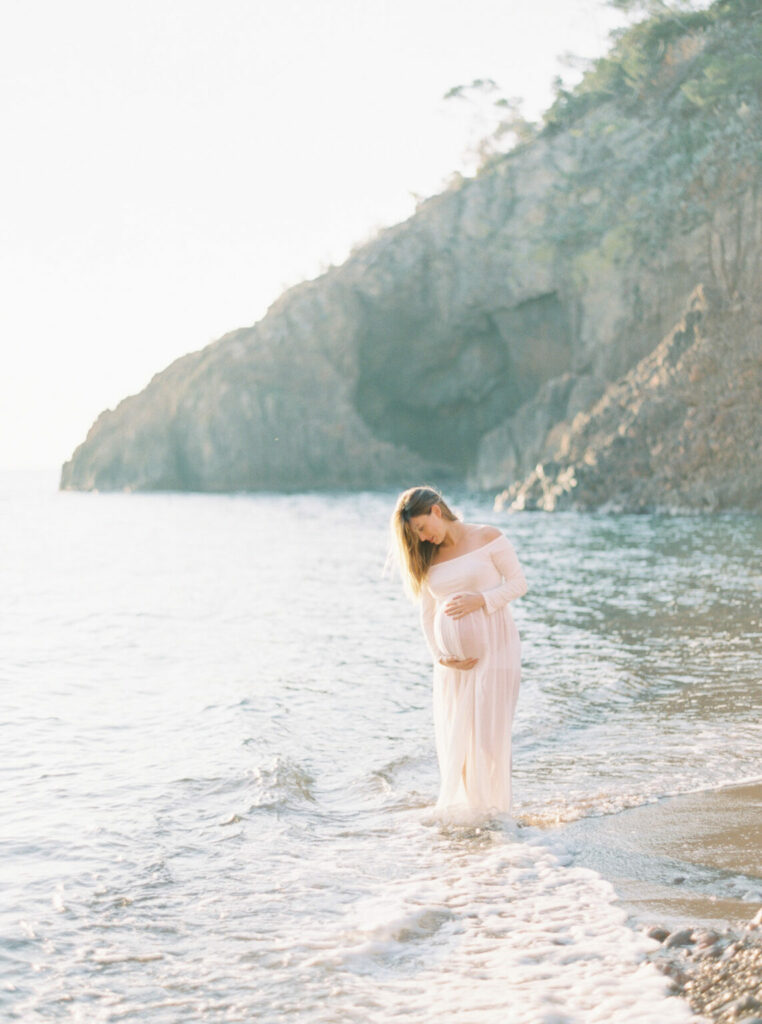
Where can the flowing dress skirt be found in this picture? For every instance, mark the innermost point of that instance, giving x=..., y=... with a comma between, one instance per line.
x=474, y=710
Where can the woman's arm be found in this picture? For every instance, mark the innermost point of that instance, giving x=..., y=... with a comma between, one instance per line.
x=428, y=610
x=514, y=584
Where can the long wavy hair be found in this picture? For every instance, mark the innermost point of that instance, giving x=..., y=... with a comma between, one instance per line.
x=414, y=556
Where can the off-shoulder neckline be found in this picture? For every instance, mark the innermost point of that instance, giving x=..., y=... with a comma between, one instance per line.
x=465, y=553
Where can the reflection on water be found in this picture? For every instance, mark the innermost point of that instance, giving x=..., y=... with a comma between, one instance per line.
x=219, y=761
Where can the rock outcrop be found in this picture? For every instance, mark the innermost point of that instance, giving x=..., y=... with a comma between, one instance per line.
x=509, y=321
x=681, y=430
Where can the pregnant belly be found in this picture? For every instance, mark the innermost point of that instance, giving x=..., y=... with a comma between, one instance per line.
x=461, y=638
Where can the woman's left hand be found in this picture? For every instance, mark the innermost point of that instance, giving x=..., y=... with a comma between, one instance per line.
x=462, y=604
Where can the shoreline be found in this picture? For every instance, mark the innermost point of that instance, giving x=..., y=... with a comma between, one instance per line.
x=688, y=869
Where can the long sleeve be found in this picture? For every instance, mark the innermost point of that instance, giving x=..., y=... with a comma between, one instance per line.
x=428, y=610
x=514, y=584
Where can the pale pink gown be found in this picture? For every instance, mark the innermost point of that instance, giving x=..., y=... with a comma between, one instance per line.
x=473, y=709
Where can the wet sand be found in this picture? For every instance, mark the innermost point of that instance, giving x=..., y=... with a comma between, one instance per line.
x=694, y=859
x=689, y=870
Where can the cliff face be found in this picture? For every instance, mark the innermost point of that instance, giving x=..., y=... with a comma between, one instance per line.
x=464, y=343
x=681, y=430
x=265, y=408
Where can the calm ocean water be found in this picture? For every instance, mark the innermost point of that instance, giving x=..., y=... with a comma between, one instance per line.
x=218, y=759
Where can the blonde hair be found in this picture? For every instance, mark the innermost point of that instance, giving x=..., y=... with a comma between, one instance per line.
x=414, y=556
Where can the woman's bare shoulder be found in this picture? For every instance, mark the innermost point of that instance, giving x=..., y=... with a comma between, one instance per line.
x=488, y=533
x=477, y=534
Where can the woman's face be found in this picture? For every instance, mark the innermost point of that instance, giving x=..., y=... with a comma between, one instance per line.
x=430, y=527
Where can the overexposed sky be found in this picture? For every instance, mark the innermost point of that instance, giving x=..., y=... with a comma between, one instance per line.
x=170, y=166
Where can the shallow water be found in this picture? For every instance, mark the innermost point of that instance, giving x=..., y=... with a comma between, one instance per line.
x=218, y=759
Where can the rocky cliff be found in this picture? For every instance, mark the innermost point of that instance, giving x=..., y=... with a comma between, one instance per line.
x=510, y=321
x=681, y=430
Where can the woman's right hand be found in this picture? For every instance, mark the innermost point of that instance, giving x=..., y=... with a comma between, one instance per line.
x=462, y=666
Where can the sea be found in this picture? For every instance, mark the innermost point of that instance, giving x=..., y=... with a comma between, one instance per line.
x=218, y=764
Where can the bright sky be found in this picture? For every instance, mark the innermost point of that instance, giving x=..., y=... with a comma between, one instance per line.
x=170, y=166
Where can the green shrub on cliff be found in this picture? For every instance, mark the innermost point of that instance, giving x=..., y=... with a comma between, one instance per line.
x=667, y=139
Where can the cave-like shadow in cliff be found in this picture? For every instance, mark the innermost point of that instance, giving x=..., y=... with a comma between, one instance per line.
x=438, y=388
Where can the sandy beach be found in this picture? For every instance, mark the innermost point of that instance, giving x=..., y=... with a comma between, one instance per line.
x=689, y=870
x=667, y=860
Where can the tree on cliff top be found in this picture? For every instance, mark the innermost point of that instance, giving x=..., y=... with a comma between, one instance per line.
x=498, y=122
x=667, y=128
x=668, y=131
x=655, y=8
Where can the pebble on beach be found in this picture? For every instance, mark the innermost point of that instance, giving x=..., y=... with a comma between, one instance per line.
x=719, y=973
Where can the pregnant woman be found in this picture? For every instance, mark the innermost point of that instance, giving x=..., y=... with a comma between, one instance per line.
x=465, y=575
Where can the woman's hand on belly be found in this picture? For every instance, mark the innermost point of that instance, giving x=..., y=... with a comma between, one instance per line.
x=462, y=604
x=462, y=666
